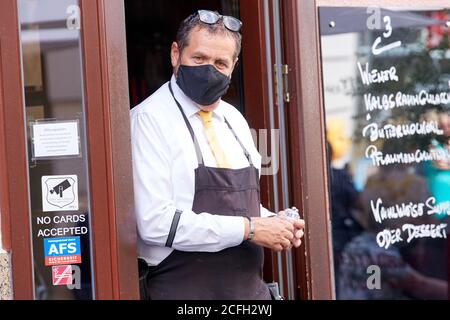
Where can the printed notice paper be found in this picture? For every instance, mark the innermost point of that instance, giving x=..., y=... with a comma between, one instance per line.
x=55, y=139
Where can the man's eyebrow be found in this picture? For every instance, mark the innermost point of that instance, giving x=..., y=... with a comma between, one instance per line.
x=203, y=55
x=199, y=54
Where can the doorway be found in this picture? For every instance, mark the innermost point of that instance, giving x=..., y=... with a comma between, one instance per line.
x=151, y=29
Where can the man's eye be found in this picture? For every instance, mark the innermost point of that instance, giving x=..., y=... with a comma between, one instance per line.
x=198, y=59
x=222, y=65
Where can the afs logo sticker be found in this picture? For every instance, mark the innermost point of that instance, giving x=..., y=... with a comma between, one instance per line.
x=59, y=193
x=59, y=251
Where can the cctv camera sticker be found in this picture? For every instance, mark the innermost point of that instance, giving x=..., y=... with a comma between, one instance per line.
x=59, y=193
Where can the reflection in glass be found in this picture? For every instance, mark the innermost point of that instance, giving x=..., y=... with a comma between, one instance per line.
x=386, y=79
x=59, y=195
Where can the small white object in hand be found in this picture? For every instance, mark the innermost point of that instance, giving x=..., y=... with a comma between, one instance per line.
x=292, y=213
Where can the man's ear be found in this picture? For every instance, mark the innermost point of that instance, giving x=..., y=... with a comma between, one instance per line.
x=175, y=55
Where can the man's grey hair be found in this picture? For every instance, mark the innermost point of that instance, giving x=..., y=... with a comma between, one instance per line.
x=193, y=21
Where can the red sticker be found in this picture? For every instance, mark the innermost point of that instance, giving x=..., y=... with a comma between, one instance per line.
x=62, y=275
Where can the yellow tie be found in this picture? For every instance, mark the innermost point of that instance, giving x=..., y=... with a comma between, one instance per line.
x=217, y=151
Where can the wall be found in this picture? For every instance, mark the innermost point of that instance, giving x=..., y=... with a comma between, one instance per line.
x=5, y=273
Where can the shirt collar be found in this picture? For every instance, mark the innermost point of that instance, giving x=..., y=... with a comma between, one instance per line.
x=190, y=108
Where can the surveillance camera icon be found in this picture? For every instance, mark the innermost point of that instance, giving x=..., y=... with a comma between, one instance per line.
x=59, y=189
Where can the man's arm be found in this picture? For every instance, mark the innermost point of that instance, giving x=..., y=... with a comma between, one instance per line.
x=154, y=205
x=155, y=208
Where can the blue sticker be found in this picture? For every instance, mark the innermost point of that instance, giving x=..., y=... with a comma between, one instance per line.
x=62, y=251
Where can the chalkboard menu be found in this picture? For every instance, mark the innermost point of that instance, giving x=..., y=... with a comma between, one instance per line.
x=386, y=84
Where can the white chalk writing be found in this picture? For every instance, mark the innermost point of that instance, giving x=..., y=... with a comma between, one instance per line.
x=397, y=211
x=425, y=231
x=408, y=210
x=380, y=159
x=399, y=100
x=389, y=131
x=388, y=237
x=376, y=49
x=375, y=76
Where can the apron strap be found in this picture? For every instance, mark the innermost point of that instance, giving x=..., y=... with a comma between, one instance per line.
x=194, y=139
x=191, y=131
x=247, y=154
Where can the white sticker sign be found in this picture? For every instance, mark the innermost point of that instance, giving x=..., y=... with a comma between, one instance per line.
x=59, y=193
x=55, y=139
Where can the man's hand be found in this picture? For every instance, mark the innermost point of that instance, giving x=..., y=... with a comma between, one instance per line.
x=274, y=233
x=299, y=226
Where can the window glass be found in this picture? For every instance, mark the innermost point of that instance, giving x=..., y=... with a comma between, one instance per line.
x=57, y=154
x=386, y=80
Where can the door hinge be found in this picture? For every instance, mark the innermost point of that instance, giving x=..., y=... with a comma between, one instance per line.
x=286, y=94
x=284, y=82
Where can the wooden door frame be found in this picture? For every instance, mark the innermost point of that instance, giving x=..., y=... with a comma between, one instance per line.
x=5, y=240
x=257, y=113
x=17, y=233
x=309, y=187
x=114, y=233
x=256, y=95
x=107, y=112
x=307, y=132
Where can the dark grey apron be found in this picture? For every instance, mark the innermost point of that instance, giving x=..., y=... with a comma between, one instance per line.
x=232, y=274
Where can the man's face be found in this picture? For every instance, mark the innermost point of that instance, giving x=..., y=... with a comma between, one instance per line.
x=205, y=48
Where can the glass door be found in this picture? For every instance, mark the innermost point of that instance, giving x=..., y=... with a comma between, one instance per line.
x=66, y=189
x=57, y=156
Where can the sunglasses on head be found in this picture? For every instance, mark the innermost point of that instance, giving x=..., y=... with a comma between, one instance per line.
x=211, y=17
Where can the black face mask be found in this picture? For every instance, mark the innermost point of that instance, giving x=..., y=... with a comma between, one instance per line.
x=205, y=85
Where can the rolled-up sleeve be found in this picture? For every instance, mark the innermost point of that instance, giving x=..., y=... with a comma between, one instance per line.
x=154, y=199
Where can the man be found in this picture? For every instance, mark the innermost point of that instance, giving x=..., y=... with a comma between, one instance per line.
x=201, y=226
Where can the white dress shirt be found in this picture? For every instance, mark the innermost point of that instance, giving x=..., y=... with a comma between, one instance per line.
x=164, y=161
